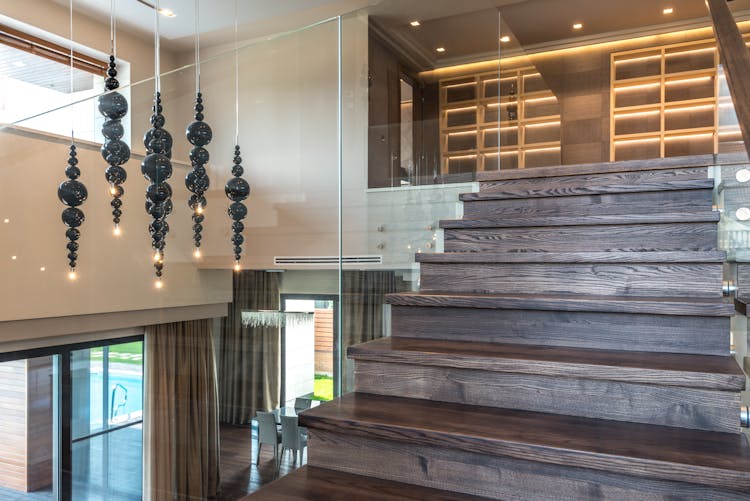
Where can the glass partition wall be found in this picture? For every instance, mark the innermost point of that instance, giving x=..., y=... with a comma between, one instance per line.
x=357, y=136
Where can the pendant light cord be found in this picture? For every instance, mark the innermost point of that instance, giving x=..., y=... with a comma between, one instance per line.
x=70, y=76
x=112, y=28
x=157, y=65
x=236, y=80
x=197, y=50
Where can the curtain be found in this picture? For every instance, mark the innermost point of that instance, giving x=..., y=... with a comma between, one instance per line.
x=249, y=357
x=181, y=422
x=363, y=295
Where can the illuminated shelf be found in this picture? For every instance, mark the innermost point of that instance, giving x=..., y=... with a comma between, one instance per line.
x=664, y=101
x=485, y=100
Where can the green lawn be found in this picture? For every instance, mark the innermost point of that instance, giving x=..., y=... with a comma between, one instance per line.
x=128, y=353
x=323, y=388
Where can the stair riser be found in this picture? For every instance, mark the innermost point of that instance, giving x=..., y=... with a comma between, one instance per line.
x=628, y=203
x=645, y=280
x=604, y=331
x=620, y=401
x=655, y=180
x=491, y=476
x=636, y=237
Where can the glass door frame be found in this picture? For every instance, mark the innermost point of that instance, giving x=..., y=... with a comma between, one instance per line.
x=334, y=298
x=62, y=392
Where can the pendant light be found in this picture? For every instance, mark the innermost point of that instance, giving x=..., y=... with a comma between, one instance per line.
x=198, y=134
x=157, y=167
x=237, y=189
x=72, y=192
x=114, y=107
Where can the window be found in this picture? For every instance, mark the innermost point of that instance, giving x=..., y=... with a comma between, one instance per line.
x=35, y=78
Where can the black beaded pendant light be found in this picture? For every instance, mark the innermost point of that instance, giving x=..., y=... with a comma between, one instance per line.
x=237, y=189
x=72, y=192
x=199, y=135
x=114, y=107
x=157, y=168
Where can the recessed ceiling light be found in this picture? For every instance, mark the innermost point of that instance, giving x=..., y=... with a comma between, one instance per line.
x=505, y=39
x=42, y=269
x=668, y=10
x=6, y=220
x=415, y=23
x=14, y=257
x=167, y=12
x=440, y=49
x=577, y=26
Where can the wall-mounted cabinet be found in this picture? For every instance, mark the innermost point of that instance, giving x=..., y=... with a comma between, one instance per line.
x=511, y=115
x=664, y=101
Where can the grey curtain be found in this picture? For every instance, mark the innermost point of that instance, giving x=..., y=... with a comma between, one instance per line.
x=363, y=296
x=249, y=357
x=181, y=421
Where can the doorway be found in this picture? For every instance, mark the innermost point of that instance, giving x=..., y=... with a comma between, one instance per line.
x=80, y=409
x=309, y=347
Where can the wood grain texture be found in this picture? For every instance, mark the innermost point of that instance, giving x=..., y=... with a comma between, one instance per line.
x=630, y=237
x=575, y=329
x=736, y=62
x=578, y=205
x=594, y=184
x=493, y=476
x=310, y=482
x=574, y=257
x=606, y=167
x=590, y=398
x=650, y=280
x=658, y=452
x=693, y=371
x=585, y=220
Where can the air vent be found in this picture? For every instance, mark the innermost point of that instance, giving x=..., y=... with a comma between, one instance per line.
x=323, y=260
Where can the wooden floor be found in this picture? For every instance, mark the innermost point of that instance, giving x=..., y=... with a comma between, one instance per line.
x=239, y=474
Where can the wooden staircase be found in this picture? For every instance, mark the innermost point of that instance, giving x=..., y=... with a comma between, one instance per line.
x=571, y=343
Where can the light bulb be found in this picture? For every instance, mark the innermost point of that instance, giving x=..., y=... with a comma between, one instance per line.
x=742, y=175
x=116, y=231
x=197, y=253
x=42, y=269
x=199, y=209
x=158, y=284
x=112, y=190
x=237, y=266
x=72, y=275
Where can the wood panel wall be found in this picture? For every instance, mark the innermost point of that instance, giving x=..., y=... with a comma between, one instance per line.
x=26, y=424
x=323, y=341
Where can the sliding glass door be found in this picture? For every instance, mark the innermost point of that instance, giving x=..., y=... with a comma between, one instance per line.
x=107, y=421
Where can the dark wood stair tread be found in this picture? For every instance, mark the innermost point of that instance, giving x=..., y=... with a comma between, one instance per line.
x=583, y=220
x=603, y=167
x=660, y=452
x=661, y=306
x=314, y=483
x=695, y=371
x=575, y=257
x=583, y=187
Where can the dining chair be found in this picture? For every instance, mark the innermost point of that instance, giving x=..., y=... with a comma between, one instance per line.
x=301, y=403
x=292, y=437
x=268, y=433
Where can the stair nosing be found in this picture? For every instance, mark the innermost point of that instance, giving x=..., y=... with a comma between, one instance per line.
x=645, y=257
x=608, y=304
x=584, y=220
x=556, y=361
x=518, y=193
x=725, y=474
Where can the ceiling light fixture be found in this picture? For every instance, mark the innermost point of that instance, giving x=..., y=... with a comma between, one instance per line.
x=415, y=23
x=668, y=10
x=440, y=49
x=577, y=26
x=161, y=10
x=505, y=39
x=6, y=220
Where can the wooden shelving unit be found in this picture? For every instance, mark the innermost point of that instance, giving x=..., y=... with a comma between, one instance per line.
x=512, y=115
x=664, y=101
